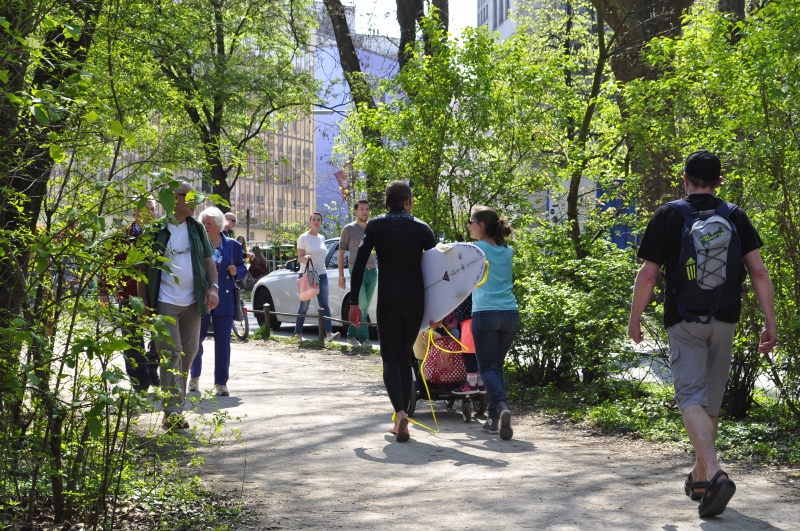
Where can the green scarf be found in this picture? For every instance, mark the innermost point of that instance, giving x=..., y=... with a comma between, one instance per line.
x=200, y=250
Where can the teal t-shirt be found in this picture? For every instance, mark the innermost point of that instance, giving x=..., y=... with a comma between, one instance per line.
x=495, y=294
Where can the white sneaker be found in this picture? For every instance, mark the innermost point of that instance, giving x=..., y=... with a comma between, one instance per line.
x=334, y=336
x=194, y=384
x=353, y=342
x=221, y=390
x=367, y=343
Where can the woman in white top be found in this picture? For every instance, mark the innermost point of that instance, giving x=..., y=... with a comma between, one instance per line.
x=311, y=246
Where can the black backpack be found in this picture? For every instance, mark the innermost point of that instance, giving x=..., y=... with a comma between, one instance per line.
x=710, y=271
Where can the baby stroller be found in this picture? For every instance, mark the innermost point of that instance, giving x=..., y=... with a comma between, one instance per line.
x=443, y=383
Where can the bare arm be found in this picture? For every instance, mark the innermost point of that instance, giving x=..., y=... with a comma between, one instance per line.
x=762, y=286
x=301, y=255
x=642, y=293
x=342, y=282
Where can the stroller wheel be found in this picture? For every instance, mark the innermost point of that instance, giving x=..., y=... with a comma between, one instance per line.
x=466, y=410
x=480, y=403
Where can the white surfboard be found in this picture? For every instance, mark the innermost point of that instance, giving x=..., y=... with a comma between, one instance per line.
x=450, y=272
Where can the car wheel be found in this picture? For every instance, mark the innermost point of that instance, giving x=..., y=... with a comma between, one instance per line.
x=262, y=297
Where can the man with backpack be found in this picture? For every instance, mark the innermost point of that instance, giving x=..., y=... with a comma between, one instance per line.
x=704, y=245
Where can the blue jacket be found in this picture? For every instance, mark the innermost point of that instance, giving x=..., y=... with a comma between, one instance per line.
x=231, y=254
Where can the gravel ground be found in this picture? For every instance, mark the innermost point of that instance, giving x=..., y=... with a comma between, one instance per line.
x=317, y=455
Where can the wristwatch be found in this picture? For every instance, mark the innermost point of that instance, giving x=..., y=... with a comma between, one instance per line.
x=214, y=285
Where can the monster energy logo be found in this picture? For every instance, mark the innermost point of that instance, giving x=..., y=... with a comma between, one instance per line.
x=691, y=269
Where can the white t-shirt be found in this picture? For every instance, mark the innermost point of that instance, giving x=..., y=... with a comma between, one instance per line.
x=315, y=247
x=179, y=254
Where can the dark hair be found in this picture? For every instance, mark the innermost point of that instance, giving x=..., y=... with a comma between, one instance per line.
x=316, y=214
x=494, y=226
x=396, y=194
x=360, y=202
x=702, y=184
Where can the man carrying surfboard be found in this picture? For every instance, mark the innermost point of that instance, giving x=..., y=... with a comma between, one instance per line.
x=399, y=239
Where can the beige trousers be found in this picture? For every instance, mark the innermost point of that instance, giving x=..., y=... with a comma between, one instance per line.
x=185, y=335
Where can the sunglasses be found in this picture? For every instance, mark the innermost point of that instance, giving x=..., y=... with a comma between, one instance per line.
x=471, y=221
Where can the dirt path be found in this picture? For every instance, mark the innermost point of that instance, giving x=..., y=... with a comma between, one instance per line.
x=319, y=456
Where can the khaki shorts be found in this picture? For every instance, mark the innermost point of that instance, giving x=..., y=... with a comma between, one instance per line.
x=700, y=358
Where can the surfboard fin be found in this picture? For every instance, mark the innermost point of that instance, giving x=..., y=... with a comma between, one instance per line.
x=444, y=247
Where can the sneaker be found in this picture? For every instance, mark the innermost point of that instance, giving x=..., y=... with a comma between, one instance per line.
x=491, y=425
x=174, y=421
x=334, y=336
x=465, y=390
x=353, y=342
x=221, y=390
x=194, y=384
x=367, y=343
x=505, y=421
x=482, y=389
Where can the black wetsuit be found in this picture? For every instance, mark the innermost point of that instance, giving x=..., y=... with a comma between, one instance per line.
x=399, y=239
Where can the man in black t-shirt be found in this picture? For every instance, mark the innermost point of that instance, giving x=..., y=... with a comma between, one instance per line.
x=700, y=354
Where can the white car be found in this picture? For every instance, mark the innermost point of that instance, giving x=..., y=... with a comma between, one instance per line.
x=279, y=290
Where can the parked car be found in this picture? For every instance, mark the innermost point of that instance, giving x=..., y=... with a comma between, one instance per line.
x=279, y=289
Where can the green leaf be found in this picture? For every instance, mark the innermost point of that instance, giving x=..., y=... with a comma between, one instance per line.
x=35, y=380
x=95, y=426
x=137, y=304
x=117, y=344
x=18, y=322
x=72, y=32
x=40, y=113
x=56, y=153
x=4, y=76
x=13, y=98
x=92, y=116
x=110, y=376
x=116, y=127
x=167, y=199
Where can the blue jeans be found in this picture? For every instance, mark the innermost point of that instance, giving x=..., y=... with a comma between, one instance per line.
x=222, y=347
x=322, y=302
x=368, y=286
x=493, y=332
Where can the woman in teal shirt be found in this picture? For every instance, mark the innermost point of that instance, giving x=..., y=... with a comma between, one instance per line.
x=495, y=316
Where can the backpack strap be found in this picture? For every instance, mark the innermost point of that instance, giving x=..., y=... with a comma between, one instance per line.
x=726, y=210
x=683, y=207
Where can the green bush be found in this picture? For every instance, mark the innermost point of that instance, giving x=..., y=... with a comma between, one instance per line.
x=573, y=312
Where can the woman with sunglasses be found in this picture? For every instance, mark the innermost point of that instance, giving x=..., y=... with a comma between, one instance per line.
x=495, y=315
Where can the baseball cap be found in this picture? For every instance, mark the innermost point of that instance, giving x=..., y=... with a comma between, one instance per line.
x=703, y=165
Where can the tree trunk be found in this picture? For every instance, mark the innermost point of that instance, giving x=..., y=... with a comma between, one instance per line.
x=359, y=88
x=635, y=23
x=25, y=162
x=408, y=13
